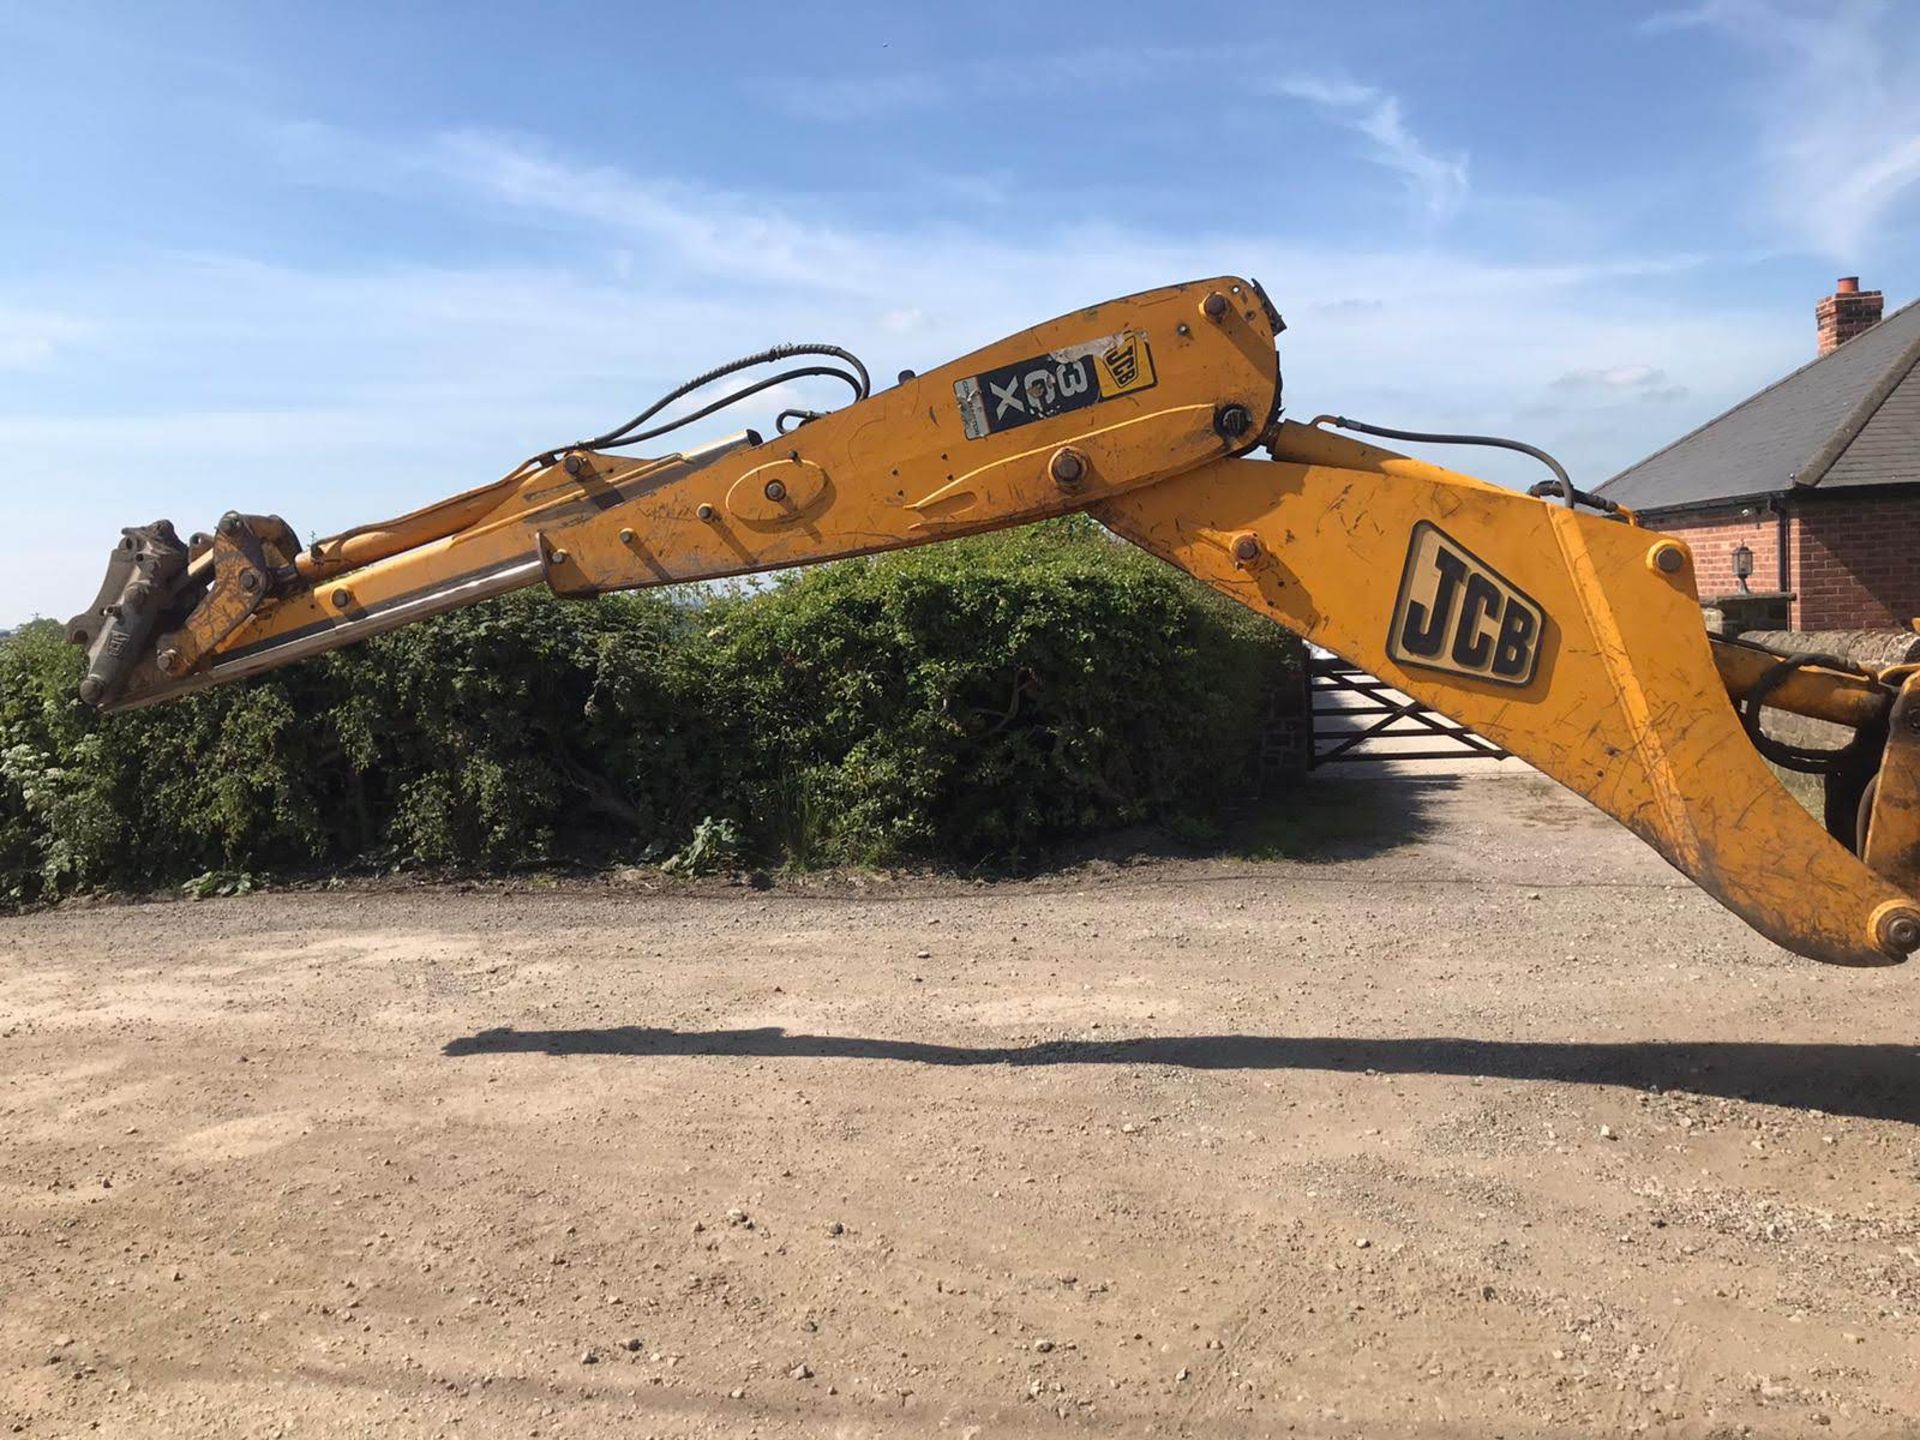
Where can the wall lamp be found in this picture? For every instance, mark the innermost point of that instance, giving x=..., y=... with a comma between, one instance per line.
x=1742, y=566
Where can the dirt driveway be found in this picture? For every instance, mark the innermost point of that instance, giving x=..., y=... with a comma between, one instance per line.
x=1489, y=1125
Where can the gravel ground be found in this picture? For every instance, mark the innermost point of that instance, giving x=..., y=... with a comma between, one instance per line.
x=1478, y=1120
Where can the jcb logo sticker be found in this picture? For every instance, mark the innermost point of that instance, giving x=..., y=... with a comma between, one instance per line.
x=1070, y=378
x=1125, y=365
x=1459, y=614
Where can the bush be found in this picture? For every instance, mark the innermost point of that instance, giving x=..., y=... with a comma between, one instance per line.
x=977, y=702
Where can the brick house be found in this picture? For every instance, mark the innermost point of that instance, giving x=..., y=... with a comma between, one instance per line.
x=1817, y=476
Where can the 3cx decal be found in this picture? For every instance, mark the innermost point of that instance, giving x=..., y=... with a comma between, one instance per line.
x=1457, y=613
x=1054, y=384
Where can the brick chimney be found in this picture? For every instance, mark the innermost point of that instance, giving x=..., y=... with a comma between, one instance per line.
x=1846, y=312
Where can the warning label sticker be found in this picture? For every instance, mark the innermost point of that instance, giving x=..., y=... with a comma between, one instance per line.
x=1053, y=384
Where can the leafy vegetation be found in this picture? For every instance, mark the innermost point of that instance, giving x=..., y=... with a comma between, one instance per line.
x=971, y=703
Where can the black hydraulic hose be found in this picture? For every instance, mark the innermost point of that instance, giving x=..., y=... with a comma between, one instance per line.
x=1802, y=758
x=1565, y=489
x=626, y=435
x=862, y=387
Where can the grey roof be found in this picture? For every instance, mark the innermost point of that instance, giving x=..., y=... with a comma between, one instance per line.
x=1848, y=418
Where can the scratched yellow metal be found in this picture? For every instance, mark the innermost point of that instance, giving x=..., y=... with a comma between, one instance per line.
x=1891, y=844
x=1624, y=706
x=1573, y=641
x=1815, y=690
x=895, y=470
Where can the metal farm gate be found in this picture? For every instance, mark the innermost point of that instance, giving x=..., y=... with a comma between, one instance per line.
x=1379, y=720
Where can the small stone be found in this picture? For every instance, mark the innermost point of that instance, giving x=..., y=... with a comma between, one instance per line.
x=1362, y=1243
x=1129, y=1129
x=736, y=1216
x=1533, y=894
x=63, y=1342
x=836, y=1228
x=923, y=954
x=1853, y=1339
x=1183, y=1373
x=698, y=1226
x=1043, y=1346
x=736, y=1394
x=632, y=1345
x=589, y=1357
x=801, y=1371
x=1606, y=1133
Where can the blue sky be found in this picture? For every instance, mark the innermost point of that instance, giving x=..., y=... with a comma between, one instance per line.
x=338, y=260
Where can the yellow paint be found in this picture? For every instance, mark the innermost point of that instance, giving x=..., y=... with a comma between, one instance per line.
x=1564, y=638
x=1626, y=706
x=895, y=470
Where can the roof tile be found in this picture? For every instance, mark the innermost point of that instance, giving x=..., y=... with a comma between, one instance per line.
x=1767, y=442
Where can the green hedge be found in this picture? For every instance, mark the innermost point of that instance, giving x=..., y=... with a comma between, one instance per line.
x=976, y=702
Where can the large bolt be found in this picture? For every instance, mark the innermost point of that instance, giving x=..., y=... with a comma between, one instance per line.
x=1233, y=421
x=573, y=464
x=91, y=690
x=1668, y=559
x=626, y=537
x=1900, y=931
x=249, y=580
x=776, y=490
x=230, y=523
x=1068, y=467
x=705, y=512
x=342, y=598
x=1215, y=307
x=561, y=557
x=1246, y=547
x=169, y=662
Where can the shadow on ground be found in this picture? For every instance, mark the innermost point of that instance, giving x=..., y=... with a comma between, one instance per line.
x=1344, y=818
x=1313, y=819
x=1874, y=1082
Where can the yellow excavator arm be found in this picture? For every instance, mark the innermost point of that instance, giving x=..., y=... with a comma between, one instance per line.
x=1571, y=638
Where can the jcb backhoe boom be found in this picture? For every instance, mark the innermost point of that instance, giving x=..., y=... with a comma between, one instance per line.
x=1572, y=639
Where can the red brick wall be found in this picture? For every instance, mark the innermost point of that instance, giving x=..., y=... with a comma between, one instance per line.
x=1713, y=535
x=1853, y=563
x=1856, y=563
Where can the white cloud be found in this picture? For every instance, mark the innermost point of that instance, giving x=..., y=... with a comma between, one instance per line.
x=856, y=98
x=1692, y=17
x=1837, y=105
x=904, y=321
x=1437, y=182
x=851, y=99
x=29, y=338
x=1612, y=384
